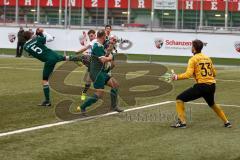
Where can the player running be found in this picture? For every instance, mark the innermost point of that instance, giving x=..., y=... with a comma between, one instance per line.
x=99, y=76
x=35, y=46
x=201, y=68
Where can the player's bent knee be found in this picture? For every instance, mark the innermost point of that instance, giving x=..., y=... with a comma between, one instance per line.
x=99, y=93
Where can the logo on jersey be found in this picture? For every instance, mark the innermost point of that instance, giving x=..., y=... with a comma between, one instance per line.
x=11, y=37
x=237, y=46
x=158, y=43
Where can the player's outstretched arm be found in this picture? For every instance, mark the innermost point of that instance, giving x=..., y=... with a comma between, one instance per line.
x=81, y=51
x=187, y=74
x=49, y=37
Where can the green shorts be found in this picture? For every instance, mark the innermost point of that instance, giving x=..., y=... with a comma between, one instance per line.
x=100, y=79
x=49, y=65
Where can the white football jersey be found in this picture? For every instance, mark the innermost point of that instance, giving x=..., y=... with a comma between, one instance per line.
x=89, y=52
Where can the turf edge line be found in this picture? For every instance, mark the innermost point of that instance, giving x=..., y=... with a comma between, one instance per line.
x=76, y=120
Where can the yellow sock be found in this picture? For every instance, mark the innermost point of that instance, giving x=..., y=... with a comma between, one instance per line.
x=180, y=111
x=218, y=110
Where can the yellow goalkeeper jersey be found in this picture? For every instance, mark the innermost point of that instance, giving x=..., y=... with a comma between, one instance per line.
x=201, y=68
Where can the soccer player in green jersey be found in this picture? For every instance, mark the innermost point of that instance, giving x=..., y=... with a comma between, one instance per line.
x=99, y=76
x=109, y=46
x=35, y=46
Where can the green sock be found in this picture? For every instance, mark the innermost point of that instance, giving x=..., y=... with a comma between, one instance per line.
x=114, y=97
x=89, y=102
x=46, y=91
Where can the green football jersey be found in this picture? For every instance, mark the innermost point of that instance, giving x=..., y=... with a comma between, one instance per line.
x=36, y=48
x=97, y=51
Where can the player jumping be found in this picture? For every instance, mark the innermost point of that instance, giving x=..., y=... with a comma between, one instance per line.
x=35, y=46
x=201, y=68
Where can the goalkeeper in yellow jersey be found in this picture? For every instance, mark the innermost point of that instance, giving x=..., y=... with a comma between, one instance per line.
x=201, y=68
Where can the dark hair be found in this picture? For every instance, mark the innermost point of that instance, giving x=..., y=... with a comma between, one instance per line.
x=108, y=25
x=101, y=33
x=38, y=33
x=91, y=31
x=198, y=45
x=27, y=35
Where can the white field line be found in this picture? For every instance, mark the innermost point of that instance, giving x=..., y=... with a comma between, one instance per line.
x=98, y=116
x=37, y=69
x=80, y=119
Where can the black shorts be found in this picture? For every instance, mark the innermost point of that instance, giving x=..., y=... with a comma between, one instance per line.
x=206, y=91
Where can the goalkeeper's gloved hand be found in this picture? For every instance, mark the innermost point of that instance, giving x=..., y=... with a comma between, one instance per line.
x=169, y=77
x=174, y=76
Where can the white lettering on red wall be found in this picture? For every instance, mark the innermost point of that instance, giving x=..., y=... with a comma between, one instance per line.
x=214, y=5
x=6, y=2
x=27, y=3
x=94, y=3
x=208, y=5
x=189, y=5
x=117, y=4
x=49, y=3
x=141, y=4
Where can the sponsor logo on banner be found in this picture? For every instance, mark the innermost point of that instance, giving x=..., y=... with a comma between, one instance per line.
x=237, y=46
x=11, y=37
x=124, y=44
x=175, y=44
x=165, y=4
x=159, y=43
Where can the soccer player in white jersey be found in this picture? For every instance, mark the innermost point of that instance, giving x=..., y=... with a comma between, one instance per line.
x=87, y=50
